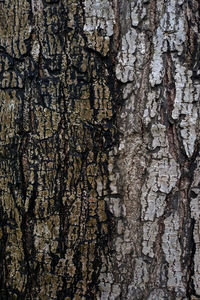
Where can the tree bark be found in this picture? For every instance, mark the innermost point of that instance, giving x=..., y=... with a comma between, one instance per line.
x=99, y=152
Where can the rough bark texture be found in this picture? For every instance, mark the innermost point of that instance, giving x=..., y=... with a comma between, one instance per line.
x=99, y=152
x=158, y=64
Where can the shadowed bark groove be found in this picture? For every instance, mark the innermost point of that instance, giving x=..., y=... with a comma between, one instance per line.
x=99, y=152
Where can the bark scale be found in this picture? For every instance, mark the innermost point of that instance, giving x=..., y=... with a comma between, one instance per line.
x=99, y=149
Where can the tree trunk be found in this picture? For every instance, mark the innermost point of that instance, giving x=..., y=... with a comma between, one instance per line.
x=99, y=153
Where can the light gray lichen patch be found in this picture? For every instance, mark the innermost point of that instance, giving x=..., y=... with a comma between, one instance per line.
x=99, y=24
x=163, y=174
x=157, y=67
x=138, y=12
x=35, y=51
x=172, y=250
x=187, y=94
x=99, y=15
x=152, y=106
x=150, y=229
x=126, y=57
x=170, y=36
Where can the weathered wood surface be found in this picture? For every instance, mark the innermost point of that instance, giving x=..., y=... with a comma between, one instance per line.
x=99, y=149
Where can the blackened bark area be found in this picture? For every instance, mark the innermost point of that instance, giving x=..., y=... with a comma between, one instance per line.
x=57, y=136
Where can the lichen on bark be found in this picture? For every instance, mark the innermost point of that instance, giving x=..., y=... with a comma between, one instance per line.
x=99, y=153
x=159, y=146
